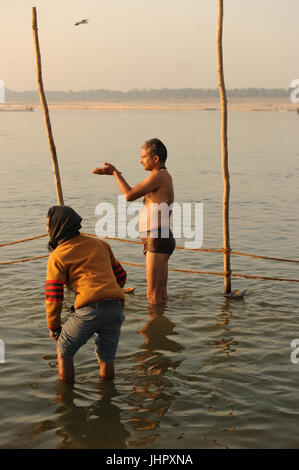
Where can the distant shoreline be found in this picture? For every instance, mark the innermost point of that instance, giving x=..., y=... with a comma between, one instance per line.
x=208, y=104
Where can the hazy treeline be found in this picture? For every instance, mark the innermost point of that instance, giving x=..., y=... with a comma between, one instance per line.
x=164, y=94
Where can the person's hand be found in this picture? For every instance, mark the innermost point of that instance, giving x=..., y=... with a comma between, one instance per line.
x=54, y=334
x=108, y=169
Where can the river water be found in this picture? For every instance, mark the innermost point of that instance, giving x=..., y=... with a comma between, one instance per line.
x=199, y=372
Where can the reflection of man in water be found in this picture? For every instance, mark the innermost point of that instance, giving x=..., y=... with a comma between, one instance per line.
x=156, y=331
x=95, y=426
x=152, y=356
x=157, y=190
x=154, y=390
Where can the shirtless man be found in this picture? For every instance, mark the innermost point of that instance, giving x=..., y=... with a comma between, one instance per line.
x=156, y=188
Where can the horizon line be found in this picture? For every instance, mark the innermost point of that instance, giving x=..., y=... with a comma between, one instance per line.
x=146, y=89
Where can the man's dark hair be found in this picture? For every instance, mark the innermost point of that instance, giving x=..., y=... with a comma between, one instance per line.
x=156, y=147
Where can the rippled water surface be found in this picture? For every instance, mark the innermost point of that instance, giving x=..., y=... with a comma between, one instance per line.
x=200, y=372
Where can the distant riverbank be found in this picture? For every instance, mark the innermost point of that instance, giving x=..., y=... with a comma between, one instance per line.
x=204, y=104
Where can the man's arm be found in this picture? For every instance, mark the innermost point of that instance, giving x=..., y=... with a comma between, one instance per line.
x=122, y=183
x=149, y=184
x=119, y=273
x=118, y=270
x=109, y=169
x=54, y=287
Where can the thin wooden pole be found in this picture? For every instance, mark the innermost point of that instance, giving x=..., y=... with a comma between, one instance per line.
x=225, y=172
x=46, y=110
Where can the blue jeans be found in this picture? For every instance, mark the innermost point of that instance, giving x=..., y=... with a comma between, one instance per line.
x=104, y=318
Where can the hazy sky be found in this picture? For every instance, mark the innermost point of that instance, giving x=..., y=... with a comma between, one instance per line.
x=149, y=44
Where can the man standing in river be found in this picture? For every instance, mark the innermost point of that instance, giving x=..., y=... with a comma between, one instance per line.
x=157, y=190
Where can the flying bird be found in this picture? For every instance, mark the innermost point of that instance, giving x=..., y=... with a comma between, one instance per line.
x=81, y=22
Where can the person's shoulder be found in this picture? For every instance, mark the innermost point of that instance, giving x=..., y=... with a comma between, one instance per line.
x=160, y=176
x=165, y=176
x=52, y=257
x=106, y=246
x=95, y=241
x=103, y=246
x=56, y=256
x=103, y=243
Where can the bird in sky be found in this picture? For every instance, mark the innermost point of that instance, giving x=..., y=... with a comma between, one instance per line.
x=81, y=22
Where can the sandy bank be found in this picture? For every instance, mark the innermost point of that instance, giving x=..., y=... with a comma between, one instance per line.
x=234, y=104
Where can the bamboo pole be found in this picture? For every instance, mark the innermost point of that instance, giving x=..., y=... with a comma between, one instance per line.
x=225, y=172
x=46, y=110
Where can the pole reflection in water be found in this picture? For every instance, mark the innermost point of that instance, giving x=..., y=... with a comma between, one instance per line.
x=219, y=402
x=224, y=345
x=153, y=390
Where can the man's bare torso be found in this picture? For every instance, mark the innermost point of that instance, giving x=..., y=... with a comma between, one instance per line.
x=150, y=215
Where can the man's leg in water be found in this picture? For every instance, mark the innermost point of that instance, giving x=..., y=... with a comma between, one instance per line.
x=106, y=369
x=107, y=337
x=156, y=274
x=165, y=283
x=66, y=369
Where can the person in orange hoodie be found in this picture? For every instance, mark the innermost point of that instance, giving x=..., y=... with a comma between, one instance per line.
x=88, y=267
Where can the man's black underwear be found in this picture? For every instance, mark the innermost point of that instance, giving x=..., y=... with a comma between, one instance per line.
x=158, y=244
